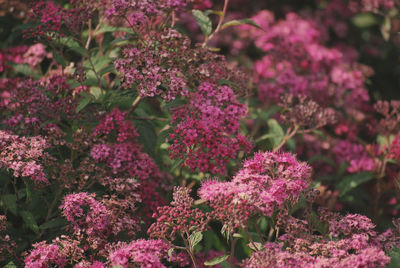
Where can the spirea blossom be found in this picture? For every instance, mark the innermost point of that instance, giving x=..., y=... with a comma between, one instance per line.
x=266, y=182
x=144, y=253
x=297, y=62
x=355, y=155
x=116, y=122
x=153, y=69
x=45, y=255
x=179, y=218
x=206, y=130
x=23, y=155
x=85, y=213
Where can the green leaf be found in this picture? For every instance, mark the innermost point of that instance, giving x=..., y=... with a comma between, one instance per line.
x=107, y=69
x=240, y=22
x=108, y=28
x=30, y=221
x=364, y=20
x=203, y=21
x=351, y=182
x=195, y=238
x=25, y=69
x=53, y=224
x=83, y=103
x=176, y=164
x=10, y=201
x=395, y=258
x=147, y=135
x=256, y=246
x=216, y=260
x=11, y=264
x=215, y=12
x=59, y=59
x=276, y=131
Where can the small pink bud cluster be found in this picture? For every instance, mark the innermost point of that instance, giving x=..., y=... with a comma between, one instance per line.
x=267, y=182
x=115, y=121
x=179, y=218
x=52, y=18
x=206, y=131
x=23, y=155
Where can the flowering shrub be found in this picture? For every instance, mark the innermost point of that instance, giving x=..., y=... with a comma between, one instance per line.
x=197, y=133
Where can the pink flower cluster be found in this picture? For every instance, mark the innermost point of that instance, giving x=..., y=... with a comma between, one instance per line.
x=153, y=69
x=86, y=214
x=298, y=62
x=394, y=149
x=206, y=130
x=139, y=12
x=143, y=253
x=53, y=18
x=11, y=55
x=115, y=122
x=353, y=244
x=266, y=182
x=355, y=155
x=180, y=218
x=45, y=255
x=123, y=156
x=23, y=155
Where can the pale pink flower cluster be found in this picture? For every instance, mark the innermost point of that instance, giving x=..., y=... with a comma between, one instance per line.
x=142, y=253
x=268, y=181
x=23, y=155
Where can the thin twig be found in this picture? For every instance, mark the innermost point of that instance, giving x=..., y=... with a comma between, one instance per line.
x=151, y=118
x=221, y=20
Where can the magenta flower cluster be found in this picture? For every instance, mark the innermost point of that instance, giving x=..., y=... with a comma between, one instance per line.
x=206, y=130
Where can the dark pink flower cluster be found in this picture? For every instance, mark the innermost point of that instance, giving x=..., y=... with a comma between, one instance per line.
x=179, y=218
x=206, y=130
x=86, y=214
x=394, y=149
x=31, y=105
x=11, y=55
x=354, y=154
x=123, y=156
x=115, y=122
x=143, y=253
x=23, y=155
x=52, y=18
x=266, y=182
x=153, y=69
x=138, y=12
x=298, y=62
